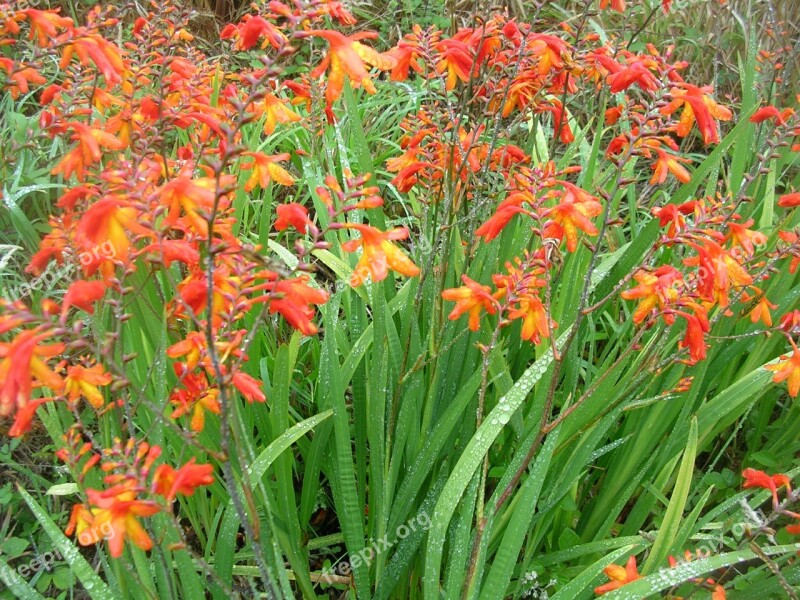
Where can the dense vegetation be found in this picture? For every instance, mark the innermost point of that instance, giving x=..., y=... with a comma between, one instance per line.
x=402, y=301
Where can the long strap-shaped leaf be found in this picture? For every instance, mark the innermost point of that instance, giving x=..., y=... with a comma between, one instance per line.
x=256, y=471
x=672, y=519
x=471, y=459
x=18, y=586
x=95, y=587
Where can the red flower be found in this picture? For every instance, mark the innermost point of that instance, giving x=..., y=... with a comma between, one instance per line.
x=82, y=294
x=753, y=478
x=168, y=482
x=249, y=387
x=292, y=215
x=294, y=300
x=789, y=200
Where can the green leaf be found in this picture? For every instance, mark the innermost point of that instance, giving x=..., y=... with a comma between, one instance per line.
x=672, y=518
x=471, y=458
x=18, y=586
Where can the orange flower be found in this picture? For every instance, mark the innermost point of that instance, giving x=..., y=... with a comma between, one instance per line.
x=168, y=482
x=276, y=112
x=674, y=215
x=718, y=271
x=770, y=112
x=744, y=238
x=250, y=30
x=292, y=215
x=573, y=212
x=105, y=225
x=696, y=326
x=636, y=72
x=534, y=318
x=761, y=311
x=347, y=58
x=265, y=170
x=104, y=54
x=791, y=237
x=195, y=397
x=91, y=141
x=194, y=196
x=193, y=348
x=659, y=288
x=294, y=299
x=672, y=164
x=789, y=370
x=618, y=576
x=168, y=251
x=471, y=298
x=502, y=216
x=249, y=387
x=113, y=514
x=697, y=106
x=19, y=80
x=45, y=25
x=560, y=123
x=82, y=294
x=790, y=322
x=82, y=381
x=24, y=366
x=455, y=58
x=379, y=254
x=407, y=54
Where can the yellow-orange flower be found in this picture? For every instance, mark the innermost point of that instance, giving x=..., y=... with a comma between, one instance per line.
x=113, y=514
x=619, y=576
x=347, y=58
x=265, y=169
x=788, y=370
x=379, y=254
x=83, y=381
x=471, y=298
